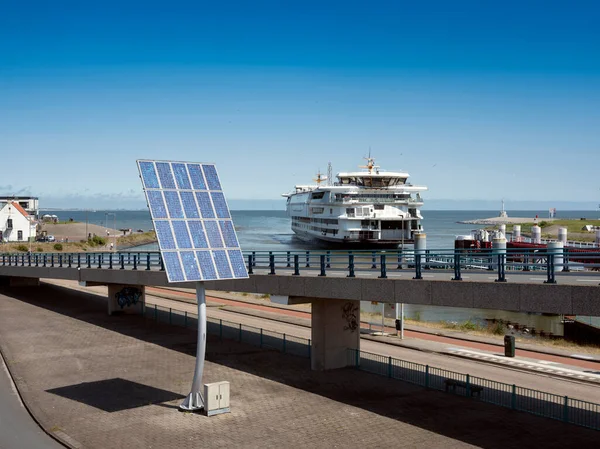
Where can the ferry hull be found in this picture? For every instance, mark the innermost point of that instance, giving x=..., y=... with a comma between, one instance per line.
x=330, y=242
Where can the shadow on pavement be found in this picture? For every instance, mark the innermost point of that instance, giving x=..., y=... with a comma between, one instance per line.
x=461, y=418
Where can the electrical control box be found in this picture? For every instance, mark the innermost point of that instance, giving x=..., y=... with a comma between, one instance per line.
x=216, y=398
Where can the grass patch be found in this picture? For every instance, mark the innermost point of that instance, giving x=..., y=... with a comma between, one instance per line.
x=137, y=239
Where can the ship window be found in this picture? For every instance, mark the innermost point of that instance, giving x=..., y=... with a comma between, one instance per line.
x=379, y=207
x=317, y=195
x=330, y=211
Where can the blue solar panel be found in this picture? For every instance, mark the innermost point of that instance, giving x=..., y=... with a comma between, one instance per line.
x=190, y=266
x=196, y=176
x=157, y=204
x=213, y=234
x=222, y=264
x=181, y=176
x=197, y=233
x=220, y=204
x=189, y=205
x=212, y=179
x=206, y=265
x=149, y=175
x=164, y=234
x=181, y=235
x=173, y=267
x=173, y=204
x=205, y=205
x=229, y=234
x=165, y=175
x=237, y=263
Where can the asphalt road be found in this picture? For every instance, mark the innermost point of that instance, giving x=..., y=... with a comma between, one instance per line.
x=17, y=429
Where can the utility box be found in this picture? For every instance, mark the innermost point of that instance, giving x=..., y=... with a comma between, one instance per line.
x=216, y=398
x=509, y=346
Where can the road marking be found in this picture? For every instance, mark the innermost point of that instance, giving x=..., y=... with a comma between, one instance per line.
x=588, y=280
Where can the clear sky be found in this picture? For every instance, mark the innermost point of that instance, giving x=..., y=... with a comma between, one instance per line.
x=475, y=99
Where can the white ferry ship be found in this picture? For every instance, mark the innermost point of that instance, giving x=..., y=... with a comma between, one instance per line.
x=367, y=208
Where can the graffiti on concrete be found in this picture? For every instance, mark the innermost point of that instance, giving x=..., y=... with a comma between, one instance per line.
x=350, y=314
x=128, y=296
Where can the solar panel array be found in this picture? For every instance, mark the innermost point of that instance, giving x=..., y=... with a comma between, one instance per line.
x=193, y=225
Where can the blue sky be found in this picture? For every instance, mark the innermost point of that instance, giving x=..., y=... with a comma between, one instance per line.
x=477, y=100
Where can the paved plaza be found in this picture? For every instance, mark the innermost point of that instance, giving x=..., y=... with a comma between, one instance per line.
x=110, y=382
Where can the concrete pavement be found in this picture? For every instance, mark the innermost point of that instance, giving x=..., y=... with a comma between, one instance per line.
x=116, y=382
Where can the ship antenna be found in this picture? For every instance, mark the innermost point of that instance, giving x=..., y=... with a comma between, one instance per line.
x=329, y=173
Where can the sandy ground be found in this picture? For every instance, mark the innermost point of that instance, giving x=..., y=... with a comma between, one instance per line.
x=77, y=231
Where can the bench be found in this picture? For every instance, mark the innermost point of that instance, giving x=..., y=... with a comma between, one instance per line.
x=453, y=383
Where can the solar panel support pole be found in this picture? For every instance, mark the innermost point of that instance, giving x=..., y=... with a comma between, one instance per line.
x=194, y=400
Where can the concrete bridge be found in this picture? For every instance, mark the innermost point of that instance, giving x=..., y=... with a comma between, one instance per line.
x=334, y=283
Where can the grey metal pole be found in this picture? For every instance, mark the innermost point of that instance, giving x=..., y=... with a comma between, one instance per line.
x=402, y=321
x=194, y=400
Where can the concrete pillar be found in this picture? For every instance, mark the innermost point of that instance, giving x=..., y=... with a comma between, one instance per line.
x=516, y=236
x=536, y=234
x=132, y=298
x=562, y=235
x=335, y=328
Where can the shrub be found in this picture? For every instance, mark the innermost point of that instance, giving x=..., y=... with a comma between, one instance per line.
x=543, y=223
x=22, y=248
x=58, y=246
x=96, y=241
x=469, y=326
x=39, y=249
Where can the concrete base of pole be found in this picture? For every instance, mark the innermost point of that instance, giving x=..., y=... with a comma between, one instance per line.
x=193, y=403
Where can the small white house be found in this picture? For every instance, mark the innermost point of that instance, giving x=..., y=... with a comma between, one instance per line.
x=16, y=225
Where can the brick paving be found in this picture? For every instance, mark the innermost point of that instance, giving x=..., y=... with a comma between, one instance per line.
x=112, y=382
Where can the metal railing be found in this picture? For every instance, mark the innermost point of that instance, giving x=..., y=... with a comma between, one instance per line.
x=563, y=408
x=549, y=405
x=349, y=263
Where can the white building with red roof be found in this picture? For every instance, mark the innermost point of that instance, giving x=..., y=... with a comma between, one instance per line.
x=16, y=225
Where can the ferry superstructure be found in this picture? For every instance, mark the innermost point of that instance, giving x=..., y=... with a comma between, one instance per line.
x=370, y=208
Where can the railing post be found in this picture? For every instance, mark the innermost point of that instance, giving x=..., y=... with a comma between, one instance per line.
x=565, y=267
x=328, y=259
x=400, y=260
x=135, y=262
x=457, y=276
x=29, y=260
x=468, y=389
x=356, y=358
x=373, y=260
x=51, y=260
x=566, y=409
x=426, y=376
x=78, y=260
x=526, y=262
x=307, y=259
x=322, y=273
x=350, y=266
x=161, y=262
x=296, y=265
x=155, y=313
x=289, y=264
x=70, y=260
x=418, y=274
x=148, y=262
x=60, y=260
x=383, y=267
x=271, y=263
x=501, y=268
x=37, y=261
x=110, y=261
x=390, y=367
x=284, y=345
x=427, y=267
x=250, y=264
x=100, y=259
x=261, y=337
x=170, y=316
x=185, y=318
x=45, y=259
x=89, y=260
x=122, y=257
x=253, y=258
x=240, y=333
x=513, y=398
x=221, y=327
x=550, y=268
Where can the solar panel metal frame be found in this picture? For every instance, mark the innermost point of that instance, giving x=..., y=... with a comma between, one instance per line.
x=196, y=264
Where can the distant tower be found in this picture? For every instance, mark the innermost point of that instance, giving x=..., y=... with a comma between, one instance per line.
x=503, y=213
x=329, y=174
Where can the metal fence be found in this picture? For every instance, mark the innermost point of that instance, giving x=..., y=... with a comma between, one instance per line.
x=563, y=408
x=228, y=330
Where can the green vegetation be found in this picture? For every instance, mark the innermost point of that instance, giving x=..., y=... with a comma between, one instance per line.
x=58, y=247
x=22, y=248
x=39, y=249
x=96, y=241
x=141, y=238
